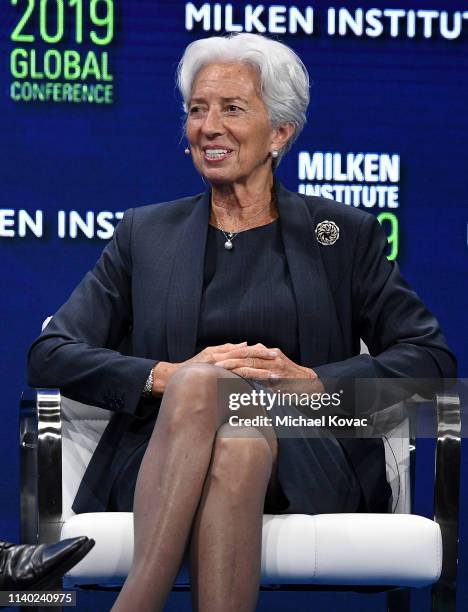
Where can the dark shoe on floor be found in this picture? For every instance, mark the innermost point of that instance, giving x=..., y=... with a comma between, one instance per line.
x=27, y=566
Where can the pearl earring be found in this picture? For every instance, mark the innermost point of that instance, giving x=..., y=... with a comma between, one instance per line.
x=274, y=153
x=187, y=151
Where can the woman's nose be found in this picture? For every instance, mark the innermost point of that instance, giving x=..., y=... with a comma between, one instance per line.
x=213, y=124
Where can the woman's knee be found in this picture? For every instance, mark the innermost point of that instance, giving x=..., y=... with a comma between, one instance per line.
x=241, y=456
x=192, y=396
x=194, y=373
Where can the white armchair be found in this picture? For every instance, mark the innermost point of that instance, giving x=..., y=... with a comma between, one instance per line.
x=368, y=552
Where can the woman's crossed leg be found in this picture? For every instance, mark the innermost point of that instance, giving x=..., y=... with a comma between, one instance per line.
x=200, y=485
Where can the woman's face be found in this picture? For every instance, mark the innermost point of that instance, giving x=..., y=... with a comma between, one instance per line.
x=228, y=127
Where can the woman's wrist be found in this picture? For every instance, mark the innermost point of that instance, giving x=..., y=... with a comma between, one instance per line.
x=162, y=372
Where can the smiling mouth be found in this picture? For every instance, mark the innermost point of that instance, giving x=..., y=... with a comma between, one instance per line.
x=215, y=155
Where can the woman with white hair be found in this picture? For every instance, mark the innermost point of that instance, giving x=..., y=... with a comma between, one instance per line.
x=247, y=281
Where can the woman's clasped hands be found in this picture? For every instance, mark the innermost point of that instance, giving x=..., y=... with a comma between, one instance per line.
x=260, y=362
x=256, y=361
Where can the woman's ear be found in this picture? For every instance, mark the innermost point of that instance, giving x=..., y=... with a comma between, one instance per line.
x=282, y=135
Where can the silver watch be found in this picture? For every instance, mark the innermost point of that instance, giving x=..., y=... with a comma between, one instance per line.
x=148, y=388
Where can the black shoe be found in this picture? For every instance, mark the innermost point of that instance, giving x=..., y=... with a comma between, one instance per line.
x=26, y=566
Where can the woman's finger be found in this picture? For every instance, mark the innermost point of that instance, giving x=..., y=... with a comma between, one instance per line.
x=210, y=354
x=231, y=364
x=247, y=352
x=224, y=347
x=255, y=373
x=251, y=363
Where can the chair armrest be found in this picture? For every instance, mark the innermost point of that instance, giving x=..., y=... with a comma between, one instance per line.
x=40, y=465
x=447, y=481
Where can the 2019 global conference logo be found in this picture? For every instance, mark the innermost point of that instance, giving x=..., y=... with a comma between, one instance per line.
x=61, y=51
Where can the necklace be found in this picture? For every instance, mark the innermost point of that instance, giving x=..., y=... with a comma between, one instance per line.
x=231, y=235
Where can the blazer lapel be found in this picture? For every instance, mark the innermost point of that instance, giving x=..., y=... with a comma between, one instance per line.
x=308, y=277
x=183, y=302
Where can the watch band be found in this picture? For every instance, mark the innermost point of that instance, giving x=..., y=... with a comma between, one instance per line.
x=148, y=388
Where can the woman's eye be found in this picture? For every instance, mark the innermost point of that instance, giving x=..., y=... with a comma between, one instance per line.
x=197, y=110
x=233, y=108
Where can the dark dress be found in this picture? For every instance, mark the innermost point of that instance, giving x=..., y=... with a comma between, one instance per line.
x=248, y=295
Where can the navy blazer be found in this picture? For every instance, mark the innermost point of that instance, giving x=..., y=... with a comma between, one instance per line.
x=140, y=304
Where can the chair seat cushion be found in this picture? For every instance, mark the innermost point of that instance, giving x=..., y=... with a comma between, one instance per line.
x=325, y=549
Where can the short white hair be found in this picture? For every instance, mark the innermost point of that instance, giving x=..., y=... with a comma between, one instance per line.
x=284, y=79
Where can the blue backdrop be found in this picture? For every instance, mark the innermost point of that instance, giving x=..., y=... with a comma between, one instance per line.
x=90, y=125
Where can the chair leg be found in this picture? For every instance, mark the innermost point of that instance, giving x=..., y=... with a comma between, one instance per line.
x=399, y=600
x=444, y=597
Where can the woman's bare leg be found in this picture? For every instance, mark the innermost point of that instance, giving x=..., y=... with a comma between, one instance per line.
x=170, y=484
x=227, y=534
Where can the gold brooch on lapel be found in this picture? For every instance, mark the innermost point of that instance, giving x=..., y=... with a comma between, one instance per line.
x=327, y=232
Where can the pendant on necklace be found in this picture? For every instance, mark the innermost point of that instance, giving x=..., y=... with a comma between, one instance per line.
x=229, y=236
